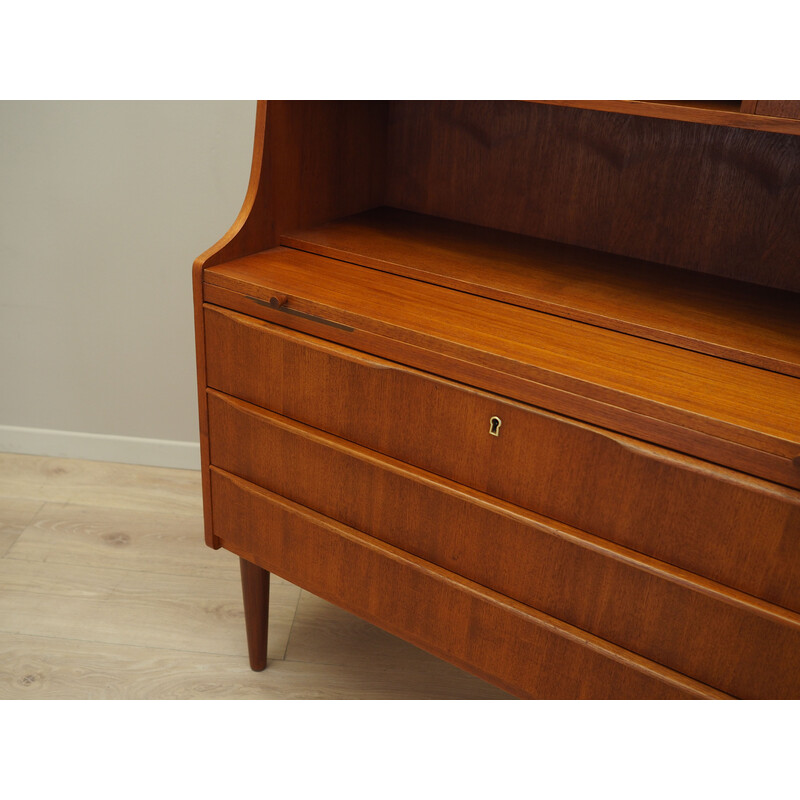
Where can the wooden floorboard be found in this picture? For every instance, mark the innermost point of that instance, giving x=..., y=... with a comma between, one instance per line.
x=107, y=591
x=15, y=516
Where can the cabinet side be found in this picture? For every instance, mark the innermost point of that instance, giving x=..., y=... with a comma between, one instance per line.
x=234, y=238
x=313, y=161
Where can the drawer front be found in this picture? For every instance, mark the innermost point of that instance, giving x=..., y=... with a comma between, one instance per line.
x=737, y=530
x=519, y=648
x=714, y=635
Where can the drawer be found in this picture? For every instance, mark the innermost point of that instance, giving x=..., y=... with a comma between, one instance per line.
x=468, y=624
x=739, y=531
x=711, y=633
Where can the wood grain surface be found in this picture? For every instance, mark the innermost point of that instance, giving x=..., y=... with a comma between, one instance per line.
x=116, y=606
x=202, y=410
x=777, y=468
x=733, y=190
x=750, y=406
x=673, y=508
x=512, y=645
x=335, y=656
x=99, y=483
x=117, y=597
x=339, y=149
x=708, y=112
x=731, y=319
x=255, y=594
x=154, y=541
x=668, y=615
x=15, y=515
x=788, y=109
x=650, y=378
x=709, y=198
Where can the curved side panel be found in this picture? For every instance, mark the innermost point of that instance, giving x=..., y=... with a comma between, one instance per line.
x=241, y=234
x=313, y=161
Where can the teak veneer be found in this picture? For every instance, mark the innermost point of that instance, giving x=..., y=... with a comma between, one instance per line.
x=704, y=313
x=519, y=382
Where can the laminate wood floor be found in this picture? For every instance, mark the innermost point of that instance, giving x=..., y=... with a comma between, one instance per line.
x=107, y=591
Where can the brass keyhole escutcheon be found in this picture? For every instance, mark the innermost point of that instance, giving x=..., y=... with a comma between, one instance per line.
x=494, y=425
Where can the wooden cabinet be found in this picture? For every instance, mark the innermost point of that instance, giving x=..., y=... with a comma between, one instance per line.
x=520, y=383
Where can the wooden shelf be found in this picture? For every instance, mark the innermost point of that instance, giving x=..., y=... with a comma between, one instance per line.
x=665, y=394
x=707, y=112
x=738, y=321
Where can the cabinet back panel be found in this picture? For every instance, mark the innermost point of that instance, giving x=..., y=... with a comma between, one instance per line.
x=707, y=198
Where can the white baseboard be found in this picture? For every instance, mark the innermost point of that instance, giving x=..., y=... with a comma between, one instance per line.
x=100, y=447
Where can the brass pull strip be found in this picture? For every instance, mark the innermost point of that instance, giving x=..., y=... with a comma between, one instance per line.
x=278, y=302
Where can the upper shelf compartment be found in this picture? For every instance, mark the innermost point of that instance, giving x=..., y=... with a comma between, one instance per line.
x=712, y=198
x=730, y=319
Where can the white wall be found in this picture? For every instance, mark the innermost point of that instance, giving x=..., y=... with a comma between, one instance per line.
x=103, y=208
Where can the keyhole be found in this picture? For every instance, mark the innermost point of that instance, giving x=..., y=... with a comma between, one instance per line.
x=494, y=426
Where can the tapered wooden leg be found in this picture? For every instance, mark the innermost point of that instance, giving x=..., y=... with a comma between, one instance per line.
x=255, y=591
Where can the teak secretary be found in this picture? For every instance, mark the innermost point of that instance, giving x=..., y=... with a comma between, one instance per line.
x=519, y=382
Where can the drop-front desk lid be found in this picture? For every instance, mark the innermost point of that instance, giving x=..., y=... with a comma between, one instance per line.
x=724, y=411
